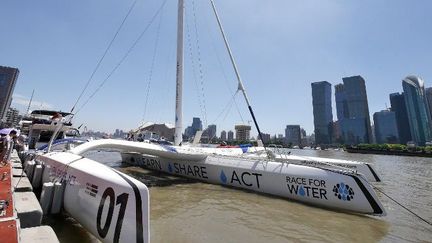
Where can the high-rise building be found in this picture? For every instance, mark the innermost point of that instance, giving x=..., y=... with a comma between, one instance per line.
x=223, y=135
x=196, y=124
x=429, y=99
x=212, y=131
x=190, y=131
x=322, y=111
x=341, y=102
x=8, y=78
x=265, y=137
x=353, y=111
x=397, y=102
x=293, y=135
x=242, y=132
x=209, y=134
x=417, y=109
x=230, y=135
x=12, y=117
x=385, y=127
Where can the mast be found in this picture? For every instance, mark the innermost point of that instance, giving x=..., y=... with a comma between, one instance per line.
x=178, y=138
x=31, y=98
x=240, y=82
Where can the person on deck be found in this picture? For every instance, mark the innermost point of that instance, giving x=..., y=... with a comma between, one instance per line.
x=56, y=118
x=7, y=147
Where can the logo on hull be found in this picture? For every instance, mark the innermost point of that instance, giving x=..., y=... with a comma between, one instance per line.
x=343, y=192
x=248, y=179
x=307, y=187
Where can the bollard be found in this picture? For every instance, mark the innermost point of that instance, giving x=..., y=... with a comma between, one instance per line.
x=37, y=176
x=29, y=169
x=45, y=175
x=46, y=197
x=57, y=201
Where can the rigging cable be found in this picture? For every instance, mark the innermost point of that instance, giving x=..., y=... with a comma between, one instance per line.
x=103, y=56
x=226, y=108
x=189, y=42
x=223, y=73
x=226, y=82
x=200, y=69
x=124, y=57
x=152, y=65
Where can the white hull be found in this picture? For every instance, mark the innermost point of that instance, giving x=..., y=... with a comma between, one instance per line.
x=113, y=206
x=366, y=169
x=322, y=187
x=315, y=186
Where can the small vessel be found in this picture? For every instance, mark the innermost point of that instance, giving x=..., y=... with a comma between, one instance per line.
x=40, y=125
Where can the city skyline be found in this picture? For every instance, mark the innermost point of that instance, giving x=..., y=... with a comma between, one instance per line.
x=333, y=40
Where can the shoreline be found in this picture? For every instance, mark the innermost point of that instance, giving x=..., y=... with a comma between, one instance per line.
x=388, y=152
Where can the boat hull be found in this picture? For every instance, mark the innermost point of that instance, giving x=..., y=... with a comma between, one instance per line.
x=321, y=187
x=366, y=169
x=113, y=206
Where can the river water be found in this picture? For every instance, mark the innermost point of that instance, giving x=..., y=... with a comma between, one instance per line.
x=189, y=211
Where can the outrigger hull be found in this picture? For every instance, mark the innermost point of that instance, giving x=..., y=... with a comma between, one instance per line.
x=314, y=186
x=323, y=187
x=366, y=169
x=113, y=206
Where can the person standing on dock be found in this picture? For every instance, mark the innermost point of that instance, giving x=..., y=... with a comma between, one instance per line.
x=7, y=146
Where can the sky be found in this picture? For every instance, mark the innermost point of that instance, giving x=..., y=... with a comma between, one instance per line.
x=280, y=47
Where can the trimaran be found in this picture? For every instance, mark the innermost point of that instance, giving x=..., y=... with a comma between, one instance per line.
x=94, y=193
x=321, y=182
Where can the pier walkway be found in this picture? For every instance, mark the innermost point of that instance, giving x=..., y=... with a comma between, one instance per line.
x=20, y=211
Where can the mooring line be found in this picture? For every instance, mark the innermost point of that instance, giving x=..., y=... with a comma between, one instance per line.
x=404, y=207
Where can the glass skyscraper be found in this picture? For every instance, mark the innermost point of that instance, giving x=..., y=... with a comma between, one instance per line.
x=429, y=99
x=385, y=127
x=353, y=111
x=293, y=135
x=397, y=102
x=8, y=77
x=322, y=111
x=417, y=109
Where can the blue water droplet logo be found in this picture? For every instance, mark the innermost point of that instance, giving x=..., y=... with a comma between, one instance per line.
x=301, y=191
x=223, y=177
x=170, y=168
x=343, y=192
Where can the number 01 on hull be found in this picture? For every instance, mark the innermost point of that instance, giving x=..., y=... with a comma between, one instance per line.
x=113, y=206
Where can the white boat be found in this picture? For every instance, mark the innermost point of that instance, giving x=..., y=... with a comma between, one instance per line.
x=40, y=127
x=331, y=187
x=114, y=207
x=363, y=168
